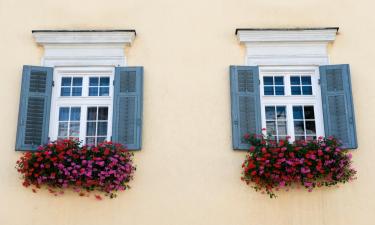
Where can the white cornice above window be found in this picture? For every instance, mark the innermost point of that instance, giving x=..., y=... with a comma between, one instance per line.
x=84, y=47
x=299, y=46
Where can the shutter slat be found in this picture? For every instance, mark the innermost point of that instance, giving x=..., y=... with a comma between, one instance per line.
x=338, y=110
x=245, y=103
x=35, y=103
x=127, y=107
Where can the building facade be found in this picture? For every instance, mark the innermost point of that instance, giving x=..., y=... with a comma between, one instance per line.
x=183, y=60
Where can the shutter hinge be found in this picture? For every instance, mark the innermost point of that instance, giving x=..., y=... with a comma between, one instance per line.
x=53, y=83
x=319, y=81
x=259, y=82
x=113, y=82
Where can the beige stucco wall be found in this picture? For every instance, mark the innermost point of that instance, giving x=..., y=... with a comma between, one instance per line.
x=187, y=171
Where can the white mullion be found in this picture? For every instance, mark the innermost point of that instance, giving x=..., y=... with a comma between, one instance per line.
x=83, y=126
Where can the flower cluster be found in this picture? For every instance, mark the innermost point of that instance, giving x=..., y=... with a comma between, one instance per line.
x=107, y=167
x=272, y=165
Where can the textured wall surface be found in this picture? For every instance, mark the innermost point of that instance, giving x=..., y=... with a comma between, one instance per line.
x=188, y=173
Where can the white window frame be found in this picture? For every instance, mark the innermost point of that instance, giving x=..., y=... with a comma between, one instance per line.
x=290, y=100
x=83, y=101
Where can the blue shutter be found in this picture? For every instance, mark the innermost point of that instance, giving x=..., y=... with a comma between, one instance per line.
x=127, y=107
x=245, y=102
x=34, y=109
x=338, y=110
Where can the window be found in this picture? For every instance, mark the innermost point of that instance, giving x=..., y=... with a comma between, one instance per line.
x=289, y=108
x=291, y=88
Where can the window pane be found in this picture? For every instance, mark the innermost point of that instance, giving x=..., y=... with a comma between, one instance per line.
x=66, y=81
x=310, y=128
x=91, y=113
x=65, y=91
x=90, y=141
x=296, y=90
x=295, y=80
x=270, y=112
x=306, y=80
x=93, y=91
x=268, y=90
x=282, y=128
x=94, y=81
x=279, y=90
x=300, y=138
x=74, y=129
x=64, y=114
x=63, y=129
x=91, y=128
x=100, y=139
x=76, y=91
x=77, y=81
x=271, y=127
x=298, y=128
x=307, y=90
x=297, y=112
x=102, y=128
x=103, y=113
x=268, y=80
x=75, y=113
x=309, y=112
x=281, y=112
x=279, y=80
x=104, y=81
x=104, y=91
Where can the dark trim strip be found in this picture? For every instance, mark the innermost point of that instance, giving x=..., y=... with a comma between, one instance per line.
x=72, y=31
x=286, y=29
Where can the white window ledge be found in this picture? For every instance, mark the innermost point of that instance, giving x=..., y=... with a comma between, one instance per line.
x=299, y=46
x=84, y=47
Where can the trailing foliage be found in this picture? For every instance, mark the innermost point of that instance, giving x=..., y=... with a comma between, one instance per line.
x=271, y=165
x=107, y=167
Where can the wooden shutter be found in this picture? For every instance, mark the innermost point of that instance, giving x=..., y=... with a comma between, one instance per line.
x=338, y=111
x=34, y=109
x=245, y=102
x=127, y=107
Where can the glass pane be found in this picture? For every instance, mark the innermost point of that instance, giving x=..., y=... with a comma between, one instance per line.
x=90, y=141
x=310, y=138
x=294, y=80
x=77, y=81
x=307, y=90
x=281, y=112
x=74, y=129
x=91, y=113
x=91, y=127
x=297, y=112
x=279, y=80
x=104, y=91
x=104, y=81
x=268, y=90
x=66, y=81
x=298, y=128
x=309, y=112
x=75, y=113
x=94, y=81
x=282, y=128
x=300, y=138
x=279, y=90
x=103, y=113
x=65, y=91
x=271, y=127
x=76, y=91
x=310, y=128
x=100, y=139
x=306, y=80
x=93, y=91
x=268, y=80
x=296, y=90
x=270, y=112
x=63, y=129
x=102, y=128
x=64, y=114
